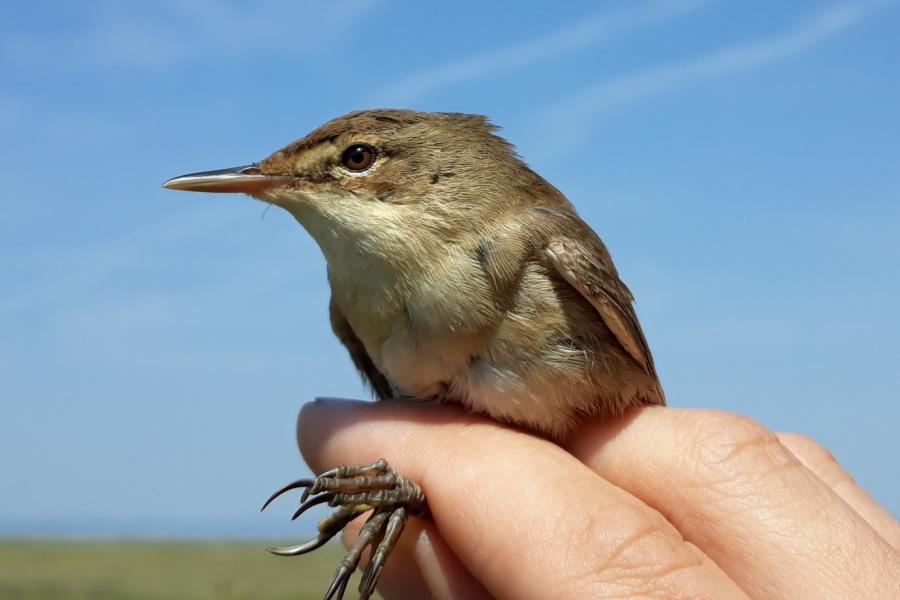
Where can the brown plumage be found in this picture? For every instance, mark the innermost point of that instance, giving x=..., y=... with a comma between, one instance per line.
x=499, y=295
x=458, y=274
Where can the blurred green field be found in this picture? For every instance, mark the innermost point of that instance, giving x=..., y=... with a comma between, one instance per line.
x=133, y=570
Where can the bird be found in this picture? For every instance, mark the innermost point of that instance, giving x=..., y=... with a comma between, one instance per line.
x=458, y=274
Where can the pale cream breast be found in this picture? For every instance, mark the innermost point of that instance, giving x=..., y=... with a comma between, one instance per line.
x=426, y=313
x=445, y=315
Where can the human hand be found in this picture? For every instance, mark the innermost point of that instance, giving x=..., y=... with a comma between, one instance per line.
x=662, y=503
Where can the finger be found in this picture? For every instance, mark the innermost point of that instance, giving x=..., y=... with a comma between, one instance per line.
x=523, y=516
x=731, y=488
x=423, y=566
x=821, y=462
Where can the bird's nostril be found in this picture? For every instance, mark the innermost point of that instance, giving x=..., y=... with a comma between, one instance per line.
x=251, y=170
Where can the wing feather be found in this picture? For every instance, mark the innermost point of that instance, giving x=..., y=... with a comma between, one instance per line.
x=578, y=255
x=379, y=383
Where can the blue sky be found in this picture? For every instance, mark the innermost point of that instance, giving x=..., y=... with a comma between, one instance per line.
x=741, y=160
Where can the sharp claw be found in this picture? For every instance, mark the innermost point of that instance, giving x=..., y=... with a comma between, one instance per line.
x=286, y=488
x=391, y=496
x=303, y=548
x=310, y=503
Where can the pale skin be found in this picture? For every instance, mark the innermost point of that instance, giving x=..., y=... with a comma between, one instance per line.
x=660, y=503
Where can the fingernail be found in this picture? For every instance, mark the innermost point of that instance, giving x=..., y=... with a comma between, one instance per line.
x=335, y=400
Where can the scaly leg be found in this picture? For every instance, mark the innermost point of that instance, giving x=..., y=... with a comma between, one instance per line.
x=355, y=489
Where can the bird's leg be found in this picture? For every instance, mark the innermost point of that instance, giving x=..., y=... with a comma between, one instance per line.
x=355, y=489
x=389, y=538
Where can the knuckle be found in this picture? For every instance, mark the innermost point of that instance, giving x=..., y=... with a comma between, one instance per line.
x=810, y=448
x=728, y=446
x=624, y=552
x=818, y=458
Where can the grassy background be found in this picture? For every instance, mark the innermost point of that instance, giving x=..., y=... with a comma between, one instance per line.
x=152, y=570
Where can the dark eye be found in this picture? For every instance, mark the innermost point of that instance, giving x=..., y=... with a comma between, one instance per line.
x=358, y=157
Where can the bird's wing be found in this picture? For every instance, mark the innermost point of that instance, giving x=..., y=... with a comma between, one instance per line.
x=361, y=359
x=577, y=254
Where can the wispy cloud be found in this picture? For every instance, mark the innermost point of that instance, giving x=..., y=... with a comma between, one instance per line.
x=604, y=96
x=586, y=31
x=134, y=34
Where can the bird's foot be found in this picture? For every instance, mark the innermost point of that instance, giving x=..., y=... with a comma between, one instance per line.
x=354, y=490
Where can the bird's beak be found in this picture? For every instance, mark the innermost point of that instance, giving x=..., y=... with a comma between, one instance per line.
x=247, y=180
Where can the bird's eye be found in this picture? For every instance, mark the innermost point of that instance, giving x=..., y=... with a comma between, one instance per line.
x=358, y=157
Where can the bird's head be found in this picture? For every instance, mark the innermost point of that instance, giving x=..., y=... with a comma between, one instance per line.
x=376, y=180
